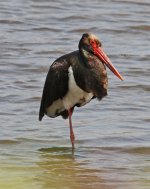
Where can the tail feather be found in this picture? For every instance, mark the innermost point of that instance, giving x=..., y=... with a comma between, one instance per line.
x=40, y=116
x=41, y=111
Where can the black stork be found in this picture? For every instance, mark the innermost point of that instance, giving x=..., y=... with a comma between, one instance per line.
x=75, y=79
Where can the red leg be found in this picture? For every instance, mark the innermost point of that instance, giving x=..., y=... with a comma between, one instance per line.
x=72, y=136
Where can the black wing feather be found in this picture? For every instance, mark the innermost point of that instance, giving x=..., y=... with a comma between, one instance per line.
x=56, y=84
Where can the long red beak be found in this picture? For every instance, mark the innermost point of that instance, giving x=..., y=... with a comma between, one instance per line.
x=104, y=58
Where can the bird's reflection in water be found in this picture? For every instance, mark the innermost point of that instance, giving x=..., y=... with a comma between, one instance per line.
x=64, y=170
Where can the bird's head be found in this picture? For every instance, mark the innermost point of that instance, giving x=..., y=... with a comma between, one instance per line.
x=91, y=44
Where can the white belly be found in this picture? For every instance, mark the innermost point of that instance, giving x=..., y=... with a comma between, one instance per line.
x=74, y=96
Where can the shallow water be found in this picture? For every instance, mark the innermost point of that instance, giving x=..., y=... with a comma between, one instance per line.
x=112, y=136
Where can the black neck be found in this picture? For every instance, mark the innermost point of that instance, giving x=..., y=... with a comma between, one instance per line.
x=85, y=55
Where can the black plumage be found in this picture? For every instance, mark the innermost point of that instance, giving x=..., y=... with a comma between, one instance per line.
x=76, y=78
x=89, y=77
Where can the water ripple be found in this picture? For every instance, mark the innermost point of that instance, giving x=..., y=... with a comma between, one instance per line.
x=112, y=135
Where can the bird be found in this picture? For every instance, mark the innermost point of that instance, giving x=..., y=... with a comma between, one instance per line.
x=76, y=78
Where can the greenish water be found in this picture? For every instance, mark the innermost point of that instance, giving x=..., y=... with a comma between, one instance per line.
x=88, y=167
x=112, y=135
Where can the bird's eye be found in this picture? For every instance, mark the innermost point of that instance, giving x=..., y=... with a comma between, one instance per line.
x=92, y=42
